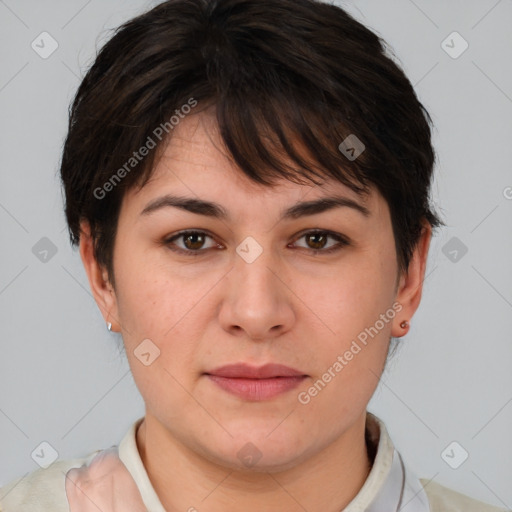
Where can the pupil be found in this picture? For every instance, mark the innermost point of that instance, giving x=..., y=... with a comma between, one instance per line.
x=316, y=235
x=195, y=245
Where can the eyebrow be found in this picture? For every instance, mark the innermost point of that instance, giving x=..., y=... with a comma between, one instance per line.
x=217, y=211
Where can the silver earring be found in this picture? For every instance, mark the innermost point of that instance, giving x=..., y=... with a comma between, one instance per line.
x=109, y=326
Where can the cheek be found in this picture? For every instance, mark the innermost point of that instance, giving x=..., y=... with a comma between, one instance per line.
x=149, y=298
x=167, y=309
x=156, y=315
x=145, y=305
x=351, y=337
x=351, y=298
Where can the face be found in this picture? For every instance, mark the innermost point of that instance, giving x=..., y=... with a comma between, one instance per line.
x=316, y=291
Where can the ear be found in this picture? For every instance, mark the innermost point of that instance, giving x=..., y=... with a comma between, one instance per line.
x=410, y=285
x=102, y=290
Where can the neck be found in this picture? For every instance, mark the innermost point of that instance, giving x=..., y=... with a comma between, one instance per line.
x=186, y=481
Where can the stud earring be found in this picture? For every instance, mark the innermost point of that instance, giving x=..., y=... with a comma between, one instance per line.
x=404, y=324
x=109, y=326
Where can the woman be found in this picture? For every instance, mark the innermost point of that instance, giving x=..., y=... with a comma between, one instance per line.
x=249, y=184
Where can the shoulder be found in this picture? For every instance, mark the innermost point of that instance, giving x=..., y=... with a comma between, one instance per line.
x=42, y=489
x=443, y=499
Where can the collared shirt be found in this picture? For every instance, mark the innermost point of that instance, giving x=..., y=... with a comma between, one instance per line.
x=115, y=479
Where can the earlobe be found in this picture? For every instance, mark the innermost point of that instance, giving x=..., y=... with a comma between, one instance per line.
x=411, y=283
x=101, y=288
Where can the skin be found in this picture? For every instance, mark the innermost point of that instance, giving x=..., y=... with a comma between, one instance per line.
x=289, y=306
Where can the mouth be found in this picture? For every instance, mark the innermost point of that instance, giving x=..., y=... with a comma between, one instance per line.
x=256, y=383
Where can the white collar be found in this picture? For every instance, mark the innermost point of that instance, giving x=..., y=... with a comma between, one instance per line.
x=402, y=491
x=391, y=486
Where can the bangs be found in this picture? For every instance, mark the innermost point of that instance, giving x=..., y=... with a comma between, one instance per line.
x=275, y=138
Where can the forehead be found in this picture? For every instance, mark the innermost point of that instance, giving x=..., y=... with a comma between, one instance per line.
x=196, y=162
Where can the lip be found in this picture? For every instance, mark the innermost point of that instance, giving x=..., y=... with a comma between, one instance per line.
x=256, y=383
x=245, y=371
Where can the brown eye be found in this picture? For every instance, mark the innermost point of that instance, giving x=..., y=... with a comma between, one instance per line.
x=316, y=242
x=191, y=243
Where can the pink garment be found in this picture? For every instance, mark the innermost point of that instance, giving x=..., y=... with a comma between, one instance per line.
x=105, y=484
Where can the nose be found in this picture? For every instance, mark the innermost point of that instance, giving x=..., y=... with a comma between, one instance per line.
x=257, y=302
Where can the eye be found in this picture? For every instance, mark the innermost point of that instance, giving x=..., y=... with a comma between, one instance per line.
x=317, y=241
x=193, y=242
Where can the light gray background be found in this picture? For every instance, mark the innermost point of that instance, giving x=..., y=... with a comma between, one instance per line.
x=61, y=377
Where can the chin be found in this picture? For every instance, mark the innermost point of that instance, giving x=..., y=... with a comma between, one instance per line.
x=254, y=451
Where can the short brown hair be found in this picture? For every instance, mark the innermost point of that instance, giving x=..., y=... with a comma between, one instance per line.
x=277, y=73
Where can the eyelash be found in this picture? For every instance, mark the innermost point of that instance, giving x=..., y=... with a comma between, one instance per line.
x=342, y=242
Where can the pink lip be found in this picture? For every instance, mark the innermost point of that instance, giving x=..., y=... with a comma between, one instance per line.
x=253, y=383
x=245, y=371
